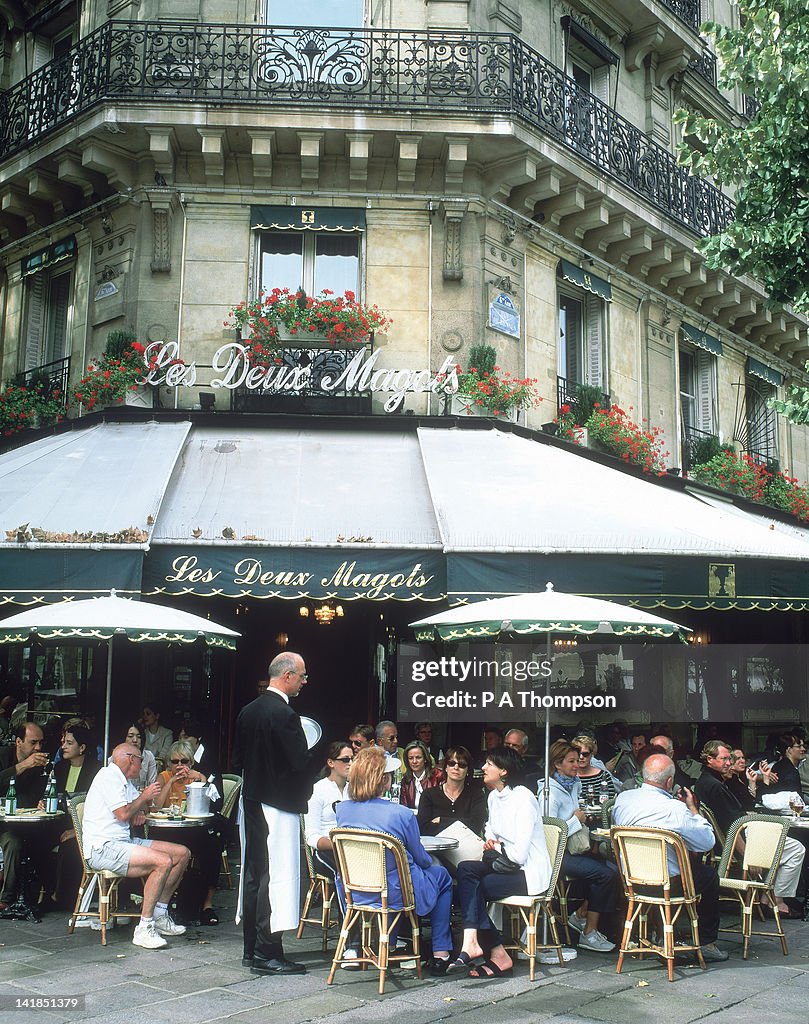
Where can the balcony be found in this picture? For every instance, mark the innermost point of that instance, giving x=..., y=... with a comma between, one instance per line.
x=581, y=398
x=696, y=445
x=464, y=73
x=688, y=11
x=705, y=67
x=47, y=378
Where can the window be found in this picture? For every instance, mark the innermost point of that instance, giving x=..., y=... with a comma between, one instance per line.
x=47, y=317
x=697, y=391
x=587, y=61
x=581, y=339
x=761, y=441
x=319, y=13
x=311, y=260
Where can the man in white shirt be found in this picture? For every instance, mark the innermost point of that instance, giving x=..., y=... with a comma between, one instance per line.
x=653, y=806
x=112, y=806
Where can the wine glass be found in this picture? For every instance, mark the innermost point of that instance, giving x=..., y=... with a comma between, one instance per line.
x=795, y=804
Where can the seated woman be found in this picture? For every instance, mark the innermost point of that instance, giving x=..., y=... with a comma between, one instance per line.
x=136, y=735
x=204, y=844
x=432, y=885
x=420, y=776
x=458, y=798
x=790, y=751
x=595, y=782
x=515, y=835
x=599, y=877
x=73, y=773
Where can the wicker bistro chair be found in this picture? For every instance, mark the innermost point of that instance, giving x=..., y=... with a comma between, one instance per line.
x=232, y=787
x=641, y=855
x=524, y=911
x=361, y=857
x=763, y=837
x=107, y=881
x=317, y=883
x=712, y=857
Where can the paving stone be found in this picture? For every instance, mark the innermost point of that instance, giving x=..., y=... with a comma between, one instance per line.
x=18, y=969
x=21, y=952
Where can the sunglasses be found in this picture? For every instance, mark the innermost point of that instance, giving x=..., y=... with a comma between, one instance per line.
x=180, y=760
x=356, y=743
x=457, y=764
x=343, y=760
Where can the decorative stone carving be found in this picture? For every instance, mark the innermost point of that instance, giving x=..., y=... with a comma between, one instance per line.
x=453, y=214
x=163, y=201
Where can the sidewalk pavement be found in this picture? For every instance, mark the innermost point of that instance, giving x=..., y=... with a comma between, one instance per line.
x=199, y=978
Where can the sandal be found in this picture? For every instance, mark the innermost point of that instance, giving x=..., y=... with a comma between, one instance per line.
x=462, y=962
x=489, y=969
x=208, y=916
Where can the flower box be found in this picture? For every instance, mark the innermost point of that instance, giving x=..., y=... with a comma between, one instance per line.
x=465, y=405
x=140, y=397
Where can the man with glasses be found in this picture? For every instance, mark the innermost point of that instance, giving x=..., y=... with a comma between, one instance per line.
x=361, y=736
x=277, y=773
x=387, y=737
x=112, y=807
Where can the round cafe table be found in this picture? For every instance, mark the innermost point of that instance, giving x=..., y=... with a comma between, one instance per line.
x=25, y=823
x=433, y=844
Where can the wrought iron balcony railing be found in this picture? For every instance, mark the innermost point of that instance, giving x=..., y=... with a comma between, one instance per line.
x=48, y=377
x=705, y=67
x=438, y=72
x=696, y=444
x=687, y=11
x=580, y=398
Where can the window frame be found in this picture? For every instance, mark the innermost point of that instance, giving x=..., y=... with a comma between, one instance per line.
x=309, y=239
x=592, y=306
x=43, y=282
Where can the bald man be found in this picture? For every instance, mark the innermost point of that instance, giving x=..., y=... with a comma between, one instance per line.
x=654, y=806
x=113, y=805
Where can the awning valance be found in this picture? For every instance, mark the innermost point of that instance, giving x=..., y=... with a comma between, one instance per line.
x=307, y=218
x=764, y=372
x=586, y=38
x=701, y=339
x=584, y=279
x=64, y=249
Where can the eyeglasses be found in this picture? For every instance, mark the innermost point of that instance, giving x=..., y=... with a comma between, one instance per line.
x=343, y=760
x=457, y=764
x=356, y=743
x=585, y=753
x=303, y=675
x=179, y=760
x=800, y=743
x=136, y=757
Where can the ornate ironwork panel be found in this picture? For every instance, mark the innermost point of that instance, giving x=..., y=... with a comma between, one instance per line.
x=705, y=67
x=53, y=376
x=687, y=11
x=567, y=393
x=751, y=107
x=691, y=439
x=377, y=69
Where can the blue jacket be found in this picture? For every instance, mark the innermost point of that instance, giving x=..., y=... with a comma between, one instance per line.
x=383, y=816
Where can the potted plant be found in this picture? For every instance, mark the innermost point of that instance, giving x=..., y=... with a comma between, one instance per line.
x=613, y=431
x=487, y=390
x=35, y=404
x=282, y=316
x=120, y=375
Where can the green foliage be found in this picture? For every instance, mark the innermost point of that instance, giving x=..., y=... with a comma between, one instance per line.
x=759, y=483
x=766, y=158
x=31, y=405
x=482, y=358
x=118, y=342
x=704, y=449
x=588, y=398
x=796, y=404
x=612, y=430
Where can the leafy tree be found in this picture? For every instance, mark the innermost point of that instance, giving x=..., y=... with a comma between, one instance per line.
x=767, y=158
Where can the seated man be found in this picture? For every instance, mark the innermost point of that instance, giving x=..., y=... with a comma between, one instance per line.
x=113, y=804
x=25, y=761
x=653, y=806
x=713, y=790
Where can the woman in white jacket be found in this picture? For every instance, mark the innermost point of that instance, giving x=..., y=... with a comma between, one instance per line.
x=515, y=863
x=599, y=876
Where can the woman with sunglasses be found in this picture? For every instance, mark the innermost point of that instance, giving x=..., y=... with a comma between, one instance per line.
x=458, y=798
x=205, y=845
x=594, y=781
x=320, y=819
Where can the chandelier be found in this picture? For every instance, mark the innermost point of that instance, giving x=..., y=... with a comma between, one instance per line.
x=325, y=612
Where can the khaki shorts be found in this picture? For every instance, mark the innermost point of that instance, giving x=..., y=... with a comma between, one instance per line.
x=114, y=854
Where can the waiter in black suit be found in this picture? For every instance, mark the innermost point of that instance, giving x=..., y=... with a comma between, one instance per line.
x=272, y=752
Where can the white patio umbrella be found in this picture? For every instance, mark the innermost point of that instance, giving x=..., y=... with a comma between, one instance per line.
x=549, y=612
x=103, y=618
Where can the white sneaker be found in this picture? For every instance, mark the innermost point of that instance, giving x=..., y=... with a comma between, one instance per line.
x=146, y=936
x=577, y=923
x=166, y=925
x=596, y=942
x=352, y=956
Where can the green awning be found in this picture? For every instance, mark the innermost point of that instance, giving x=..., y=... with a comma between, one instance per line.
x=64, y=249
x=764, y=372
x=584, y=279
x=307, y=218
x=701, y=339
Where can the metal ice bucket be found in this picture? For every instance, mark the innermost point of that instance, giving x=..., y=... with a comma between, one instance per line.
x=197, y=800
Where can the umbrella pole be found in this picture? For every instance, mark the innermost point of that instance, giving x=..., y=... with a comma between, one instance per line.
x=107, y=702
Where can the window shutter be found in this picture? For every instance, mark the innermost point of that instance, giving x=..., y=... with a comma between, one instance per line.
x=34, y=321
x=43, y=51
x=58, y=307
x=705, y=391
x=593, y=340
x=601, y=83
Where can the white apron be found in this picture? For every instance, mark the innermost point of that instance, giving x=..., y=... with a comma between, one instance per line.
x=283, y=854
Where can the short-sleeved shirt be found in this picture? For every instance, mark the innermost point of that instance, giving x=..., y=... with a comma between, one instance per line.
x=109, y=790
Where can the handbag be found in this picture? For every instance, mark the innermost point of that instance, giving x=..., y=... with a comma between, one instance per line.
x=579, y=842
x=500, y=863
